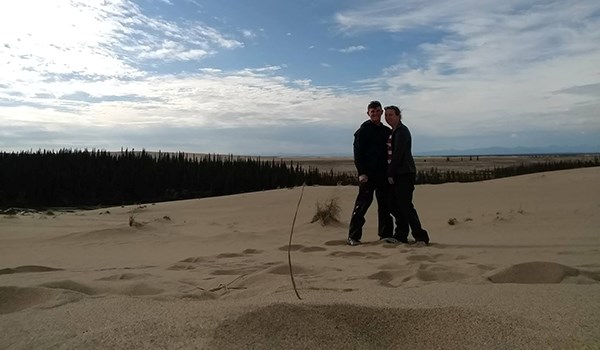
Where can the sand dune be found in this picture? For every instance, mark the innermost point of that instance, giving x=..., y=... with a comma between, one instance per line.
x=26, y=269
x=513, y=264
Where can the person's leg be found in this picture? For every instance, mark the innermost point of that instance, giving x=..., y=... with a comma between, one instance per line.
x=402, y=228
x=385, y=225
x=404, y=188
x=363, y=201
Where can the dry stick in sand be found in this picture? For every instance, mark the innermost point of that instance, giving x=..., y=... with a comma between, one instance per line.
x=220, y=286
x=226, y=286
x=290, y=243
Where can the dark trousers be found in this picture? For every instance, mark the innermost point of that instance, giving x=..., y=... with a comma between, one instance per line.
x=403, y=209
x=382, y=191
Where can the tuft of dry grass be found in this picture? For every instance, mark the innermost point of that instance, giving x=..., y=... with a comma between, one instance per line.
x=452, y=221
x=134, y=223
x=328, y=212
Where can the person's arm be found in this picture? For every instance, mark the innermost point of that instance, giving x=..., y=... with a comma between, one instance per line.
x=359, y=157
x=400, y=144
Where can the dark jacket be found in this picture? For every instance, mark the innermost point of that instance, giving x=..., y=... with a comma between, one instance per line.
x=370, y=149
x=402, y=160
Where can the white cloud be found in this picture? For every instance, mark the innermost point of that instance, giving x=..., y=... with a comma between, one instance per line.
x=248, y=34
x=210, y=70
x=107, y=38
x=185, y=100
x=497, y=68
x=509, y=65
x=303, y=83
x=351, y=49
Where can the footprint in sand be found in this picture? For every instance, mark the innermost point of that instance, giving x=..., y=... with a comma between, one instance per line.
x=249, y=251
x=439, y=273
x=435, y=257
x=293, y=247
x=196, y=296
x=284, y=269
x=368, y=255
x=384, y=277
x=304, y=249
x=125, y=277
x=243, y=270
x=126, y=288
x=252, y=251
x=336, y=242
x=229, y=255
x=312, y=249
x=192, y=263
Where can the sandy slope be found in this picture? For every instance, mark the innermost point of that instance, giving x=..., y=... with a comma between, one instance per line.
x=520, y=269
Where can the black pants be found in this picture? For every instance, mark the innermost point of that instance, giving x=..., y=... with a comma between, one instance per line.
x=382, y=191
x=403, y=209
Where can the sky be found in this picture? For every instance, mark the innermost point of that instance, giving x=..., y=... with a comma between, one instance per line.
x=273, y=77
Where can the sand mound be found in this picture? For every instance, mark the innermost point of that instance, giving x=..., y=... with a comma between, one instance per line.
x=13, y=299
x=337, y=326
x=26, y=269
x=533, y=272
x=70, y=285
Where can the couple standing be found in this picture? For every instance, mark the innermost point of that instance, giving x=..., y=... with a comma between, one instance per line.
x=386, y=168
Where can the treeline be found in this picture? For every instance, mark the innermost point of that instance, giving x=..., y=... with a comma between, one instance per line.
x=82, y=178
x=434, y=176
x=69, y=178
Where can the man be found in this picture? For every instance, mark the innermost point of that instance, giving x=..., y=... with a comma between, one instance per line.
x=402, y=175
x=370, y=158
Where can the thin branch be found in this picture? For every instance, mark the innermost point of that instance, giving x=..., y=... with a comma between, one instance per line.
x=290, y=243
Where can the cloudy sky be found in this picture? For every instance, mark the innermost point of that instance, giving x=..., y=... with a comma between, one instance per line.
x=295, y=77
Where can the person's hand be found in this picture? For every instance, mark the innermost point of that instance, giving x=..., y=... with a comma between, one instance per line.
x=391, y=180
x=363, y=178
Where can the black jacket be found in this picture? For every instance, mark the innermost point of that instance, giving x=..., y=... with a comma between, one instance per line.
x=370, y=149
x=402, y=160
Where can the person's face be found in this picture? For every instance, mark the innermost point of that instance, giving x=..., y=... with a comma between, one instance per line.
x=391, y=118
x=375, y=114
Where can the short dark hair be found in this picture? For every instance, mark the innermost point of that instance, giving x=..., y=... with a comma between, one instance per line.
x=374, y=104
x=395, y=108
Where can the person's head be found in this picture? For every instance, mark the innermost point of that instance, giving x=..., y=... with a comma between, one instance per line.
x=374, y=111
x=393, y=115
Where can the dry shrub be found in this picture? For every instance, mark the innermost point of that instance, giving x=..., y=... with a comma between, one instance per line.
x=452, y=221
x=328, y=212
x=133, y=222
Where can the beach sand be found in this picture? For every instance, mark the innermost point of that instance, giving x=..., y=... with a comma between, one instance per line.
x=519, y=268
